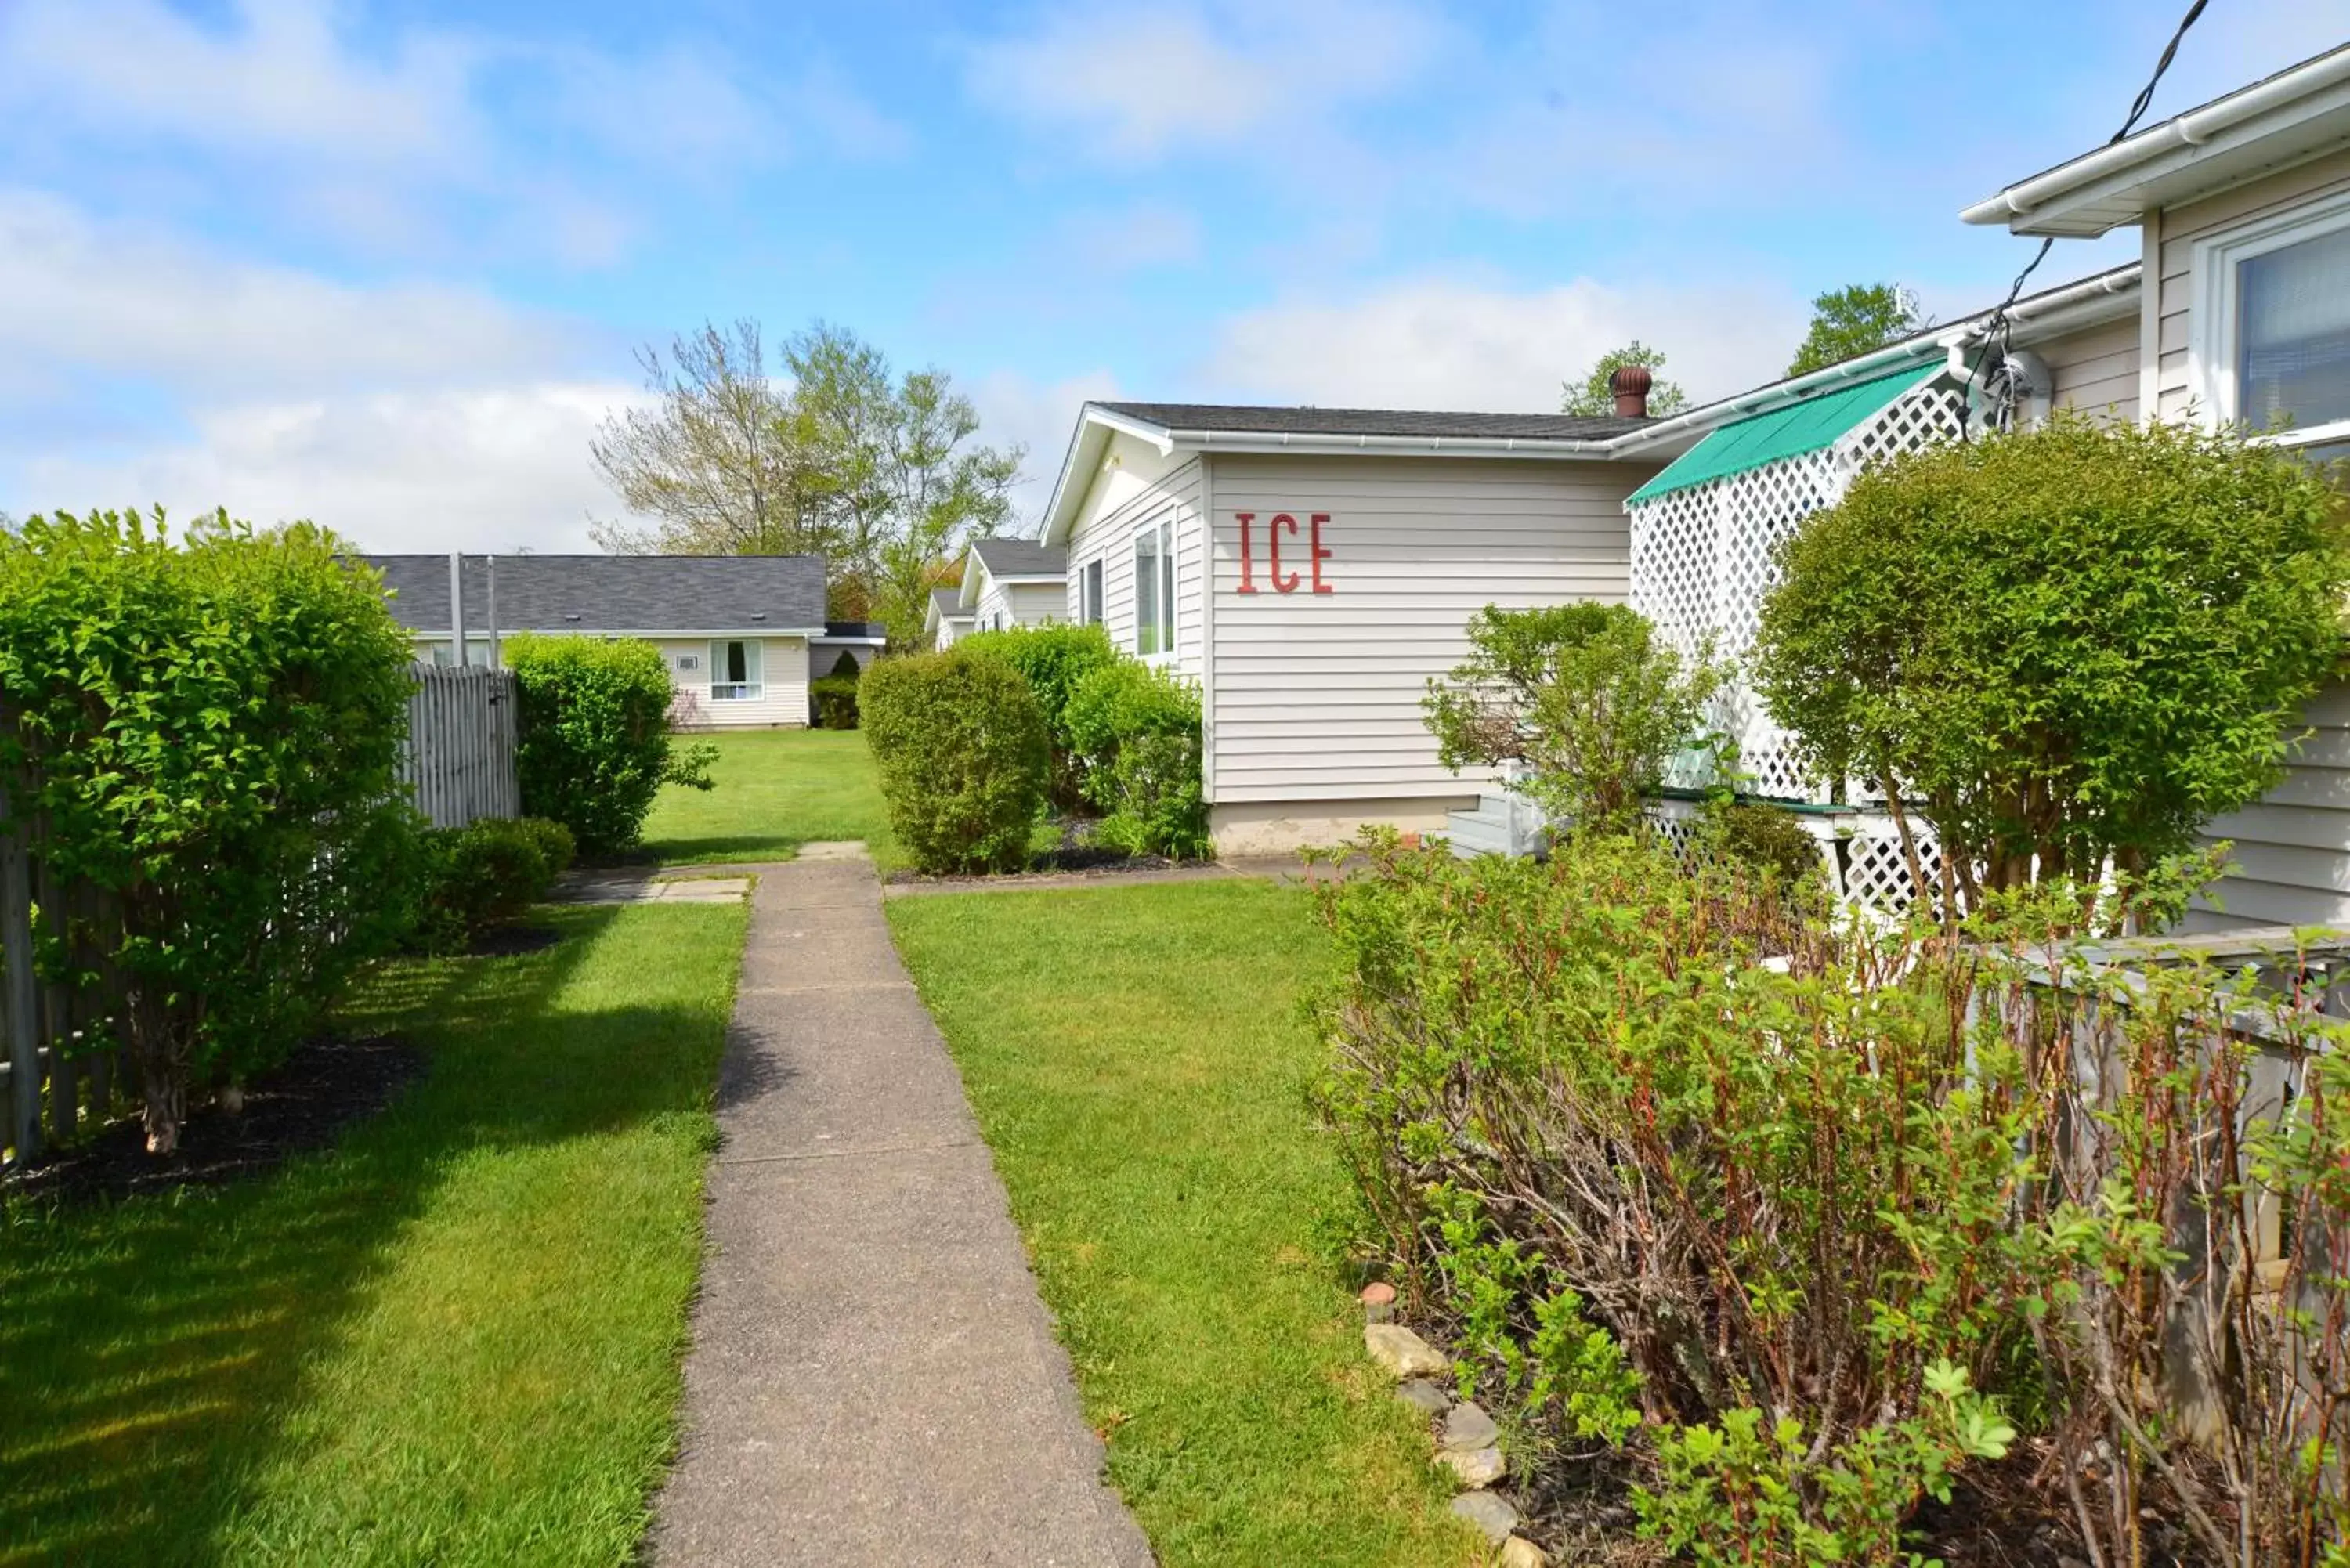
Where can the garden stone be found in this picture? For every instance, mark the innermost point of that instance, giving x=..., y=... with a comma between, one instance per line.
x=1470, y=1427
x=1489, y=1513
x=1517, y=1552
x=1403, y=1353
x=1475, y=1468
x=1419, y=1393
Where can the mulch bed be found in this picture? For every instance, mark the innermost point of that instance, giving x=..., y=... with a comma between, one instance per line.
x=511, y=941
x=1078, y=862
x=304, y=1102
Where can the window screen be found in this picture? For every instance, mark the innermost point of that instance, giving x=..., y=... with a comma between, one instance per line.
x=2292, y=334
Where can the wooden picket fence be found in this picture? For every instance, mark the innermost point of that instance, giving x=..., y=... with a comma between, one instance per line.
x=461, y=745
x=56, y=1081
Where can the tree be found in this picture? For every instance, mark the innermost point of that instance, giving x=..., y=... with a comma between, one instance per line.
x=1586, y=695
x=1594, y=399
x=716, y=459
x=2065, y=647
x=835, y=455
x=1856, y=320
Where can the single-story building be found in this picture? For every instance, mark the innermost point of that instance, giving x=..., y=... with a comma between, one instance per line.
x=734, y=630
x=1012, y=582
x=947, y=619
x=1311, y=568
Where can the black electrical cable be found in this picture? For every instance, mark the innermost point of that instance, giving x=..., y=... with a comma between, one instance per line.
x=1999, y=330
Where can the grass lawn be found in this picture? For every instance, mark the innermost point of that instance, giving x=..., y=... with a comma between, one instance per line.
x=777, y=789
x=453, y=1339
x=1138, y=1066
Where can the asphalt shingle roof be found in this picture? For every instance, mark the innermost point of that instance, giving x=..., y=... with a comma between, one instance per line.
x=1020, y=558
x=612, y=593
x=947, y=601
x=1374, y=421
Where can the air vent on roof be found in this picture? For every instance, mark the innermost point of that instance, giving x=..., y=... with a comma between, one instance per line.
x=571, y=618
x=758, y=615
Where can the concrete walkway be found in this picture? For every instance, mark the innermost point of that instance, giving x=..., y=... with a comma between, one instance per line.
x=873, y=1378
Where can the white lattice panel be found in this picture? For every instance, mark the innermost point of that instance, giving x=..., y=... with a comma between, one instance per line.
x=1702, y=563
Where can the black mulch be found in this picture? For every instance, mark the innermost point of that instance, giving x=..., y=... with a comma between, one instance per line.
x=303, y=1103
x=1084, y=861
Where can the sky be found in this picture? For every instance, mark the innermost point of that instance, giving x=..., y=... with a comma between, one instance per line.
x=388, y=265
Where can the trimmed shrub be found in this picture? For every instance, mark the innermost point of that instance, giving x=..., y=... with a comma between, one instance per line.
x=1137, y=731
x=832, y=702
x=206, y=735
x=963, y=756
x=595, y=744
x=484, y=874
x=2067, y=645
x=1056, y=659
x=1586, y=695
x=1764, y=838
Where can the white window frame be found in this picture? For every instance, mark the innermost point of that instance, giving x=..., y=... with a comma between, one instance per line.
x=2211, y=330
x=1090, y=576
x=1163, y=532
x=753, y=687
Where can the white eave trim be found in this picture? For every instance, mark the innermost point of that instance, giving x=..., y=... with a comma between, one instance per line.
x=441, y=633
x=2097, y=191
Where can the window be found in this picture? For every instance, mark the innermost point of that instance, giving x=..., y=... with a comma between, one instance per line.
x=1154, y=590
x=1089, y=592
x=2272, y=329
x=734, y=670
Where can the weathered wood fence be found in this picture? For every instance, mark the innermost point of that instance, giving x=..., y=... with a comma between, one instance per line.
x=461, y=745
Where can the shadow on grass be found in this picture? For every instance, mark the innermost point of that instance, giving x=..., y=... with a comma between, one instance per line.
x=150, y=1349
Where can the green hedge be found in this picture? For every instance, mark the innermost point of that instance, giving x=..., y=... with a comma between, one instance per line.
x=1136, y=730
x=595, y=743
x=1054, y=660
x=963, y=754
x=832, y=702
x=482, y=875
x=209, y=733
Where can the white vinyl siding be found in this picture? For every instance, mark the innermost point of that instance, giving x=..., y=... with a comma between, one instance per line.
x=2182, y=227
x=1004, y=604
x=1317, y=695
x=1107, y=536
x=782, y=675
x=2095, y=371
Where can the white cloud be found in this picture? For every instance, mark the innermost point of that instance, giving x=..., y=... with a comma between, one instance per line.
x=493, y=468
x=1039, y=415
x=282, y=78
x=1448, y=344
x=1139, y=83
x=131, y=301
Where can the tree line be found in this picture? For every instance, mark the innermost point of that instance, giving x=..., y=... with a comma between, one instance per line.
x=1846, y=322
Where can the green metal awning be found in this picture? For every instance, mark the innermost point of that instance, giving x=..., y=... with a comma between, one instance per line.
x=1790, y=431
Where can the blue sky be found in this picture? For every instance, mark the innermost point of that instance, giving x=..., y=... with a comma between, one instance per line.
x=384, y=265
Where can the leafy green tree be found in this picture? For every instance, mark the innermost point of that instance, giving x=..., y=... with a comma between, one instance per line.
x=1586, y=695
x=1856, y=320
x=206, y=735
x=822, y=449
x=1592, y=399
x=2069, y=644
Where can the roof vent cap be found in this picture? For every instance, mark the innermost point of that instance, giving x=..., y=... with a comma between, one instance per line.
x=1630, y=385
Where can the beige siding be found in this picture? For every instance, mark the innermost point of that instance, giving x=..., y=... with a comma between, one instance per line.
x=2181, y=227
x=1019, y=604
x=1316, y=697
x=2292, y=849
x=1140, y=491
x=2095, y=371
x=784, y=680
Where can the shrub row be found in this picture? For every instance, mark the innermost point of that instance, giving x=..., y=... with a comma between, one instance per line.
x=478, y=877
x=972, y=742
x=1813, y=1239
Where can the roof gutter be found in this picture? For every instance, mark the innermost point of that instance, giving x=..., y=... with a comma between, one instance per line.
x=2191, y=129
